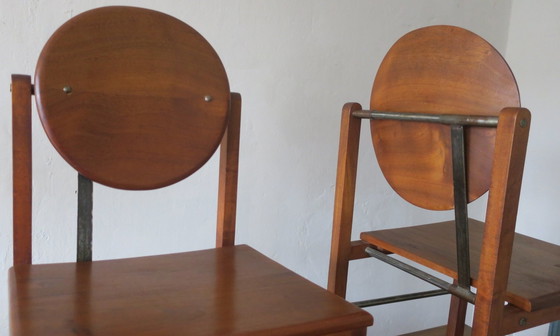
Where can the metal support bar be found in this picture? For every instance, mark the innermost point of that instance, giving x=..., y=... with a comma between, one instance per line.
x=85, y=227
x=448, y=119
x=400, y=298
x=457, y=123
x=460, y=199
x=461, y=292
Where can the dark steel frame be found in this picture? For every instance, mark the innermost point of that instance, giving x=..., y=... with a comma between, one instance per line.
x=457, y=124
x=85, y=225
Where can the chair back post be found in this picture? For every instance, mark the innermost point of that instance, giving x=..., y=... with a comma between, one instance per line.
x=507, y=171
x=136, y=99
x=85, y=219
x=460, y=196
x=227, y=185
x=341, y=247
x=21, y=146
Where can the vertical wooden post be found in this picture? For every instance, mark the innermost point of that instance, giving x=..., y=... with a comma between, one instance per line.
x=344, y=199
x=503, y=199
x=21, y=157
x=456, y=318
x=227, y=187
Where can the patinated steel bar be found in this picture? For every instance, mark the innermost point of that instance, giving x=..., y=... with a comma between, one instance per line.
x=400, y=298
x=460, y=200
x=85, y=227
x=447, y=119
x=459, y=291
x=457, y=123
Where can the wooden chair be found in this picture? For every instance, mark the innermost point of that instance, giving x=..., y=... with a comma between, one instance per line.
x=446, y=127
x=135, y=99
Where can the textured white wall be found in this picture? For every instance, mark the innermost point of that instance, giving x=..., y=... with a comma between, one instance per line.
x=295, y=63
x=533, y=52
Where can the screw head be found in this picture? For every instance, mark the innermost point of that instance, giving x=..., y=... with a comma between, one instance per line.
x=208, y=98
x=523, y=123
x=523, y=321
x=67, y=89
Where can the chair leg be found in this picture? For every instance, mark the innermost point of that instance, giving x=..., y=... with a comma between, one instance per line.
x=456, y=319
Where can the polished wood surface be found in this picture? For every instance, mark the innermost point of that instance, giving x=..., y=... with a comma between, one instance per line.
x=457, y=315
x=149, y=103
x=137, y=116
x=515, y=319
x=341, y=246
x=227, y=184
x=448, y=70
x=224, y=291
x=534, y=277
x=501, y=215
x=22, y=163
x=438, y=69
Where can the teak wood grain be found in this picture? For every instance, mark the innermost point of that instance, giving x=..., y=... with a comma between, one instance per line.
x=457, y=316
x=227, y=184
x=226, y=291
x=136, y=99
x=341, y=247
x=444, y=70
x=22, y=163
x=534, y=278
x=146, y=107
x=501, y=215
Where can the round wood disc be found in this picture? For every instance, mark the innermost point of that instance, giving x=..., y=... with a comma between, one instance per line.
x=441, y=70
x=132, y=98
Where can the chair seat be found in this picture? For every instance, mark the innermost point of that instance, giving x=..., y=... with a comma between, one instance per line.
x=230, y=290
x=534, y=278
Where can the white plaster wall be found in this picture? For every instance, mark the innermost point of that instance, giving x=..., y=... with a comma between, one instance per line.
x=296, y=63
x=533, y=52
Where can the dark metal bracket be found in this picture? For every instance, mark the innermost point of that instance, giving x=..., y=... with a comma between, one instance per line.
x=460, y=199
x=400, y=298
x=463, y=293
x=460, y=194
x=446, y=119
x=85, y=226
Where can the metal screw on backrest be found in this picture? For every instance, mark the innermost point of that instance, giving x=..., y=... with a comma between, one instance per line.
x=67, y=89
x=523, y=123
x=208, y=98
x=523, y=321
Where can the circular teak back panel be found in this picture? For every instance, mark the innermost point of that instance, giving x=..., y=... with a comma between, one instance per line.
x=132, y=98
x=442, y=70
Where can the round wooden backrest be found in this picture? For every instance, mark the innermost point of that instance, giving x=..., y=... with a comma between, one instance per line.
x=442, y=70
x=132, y=98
